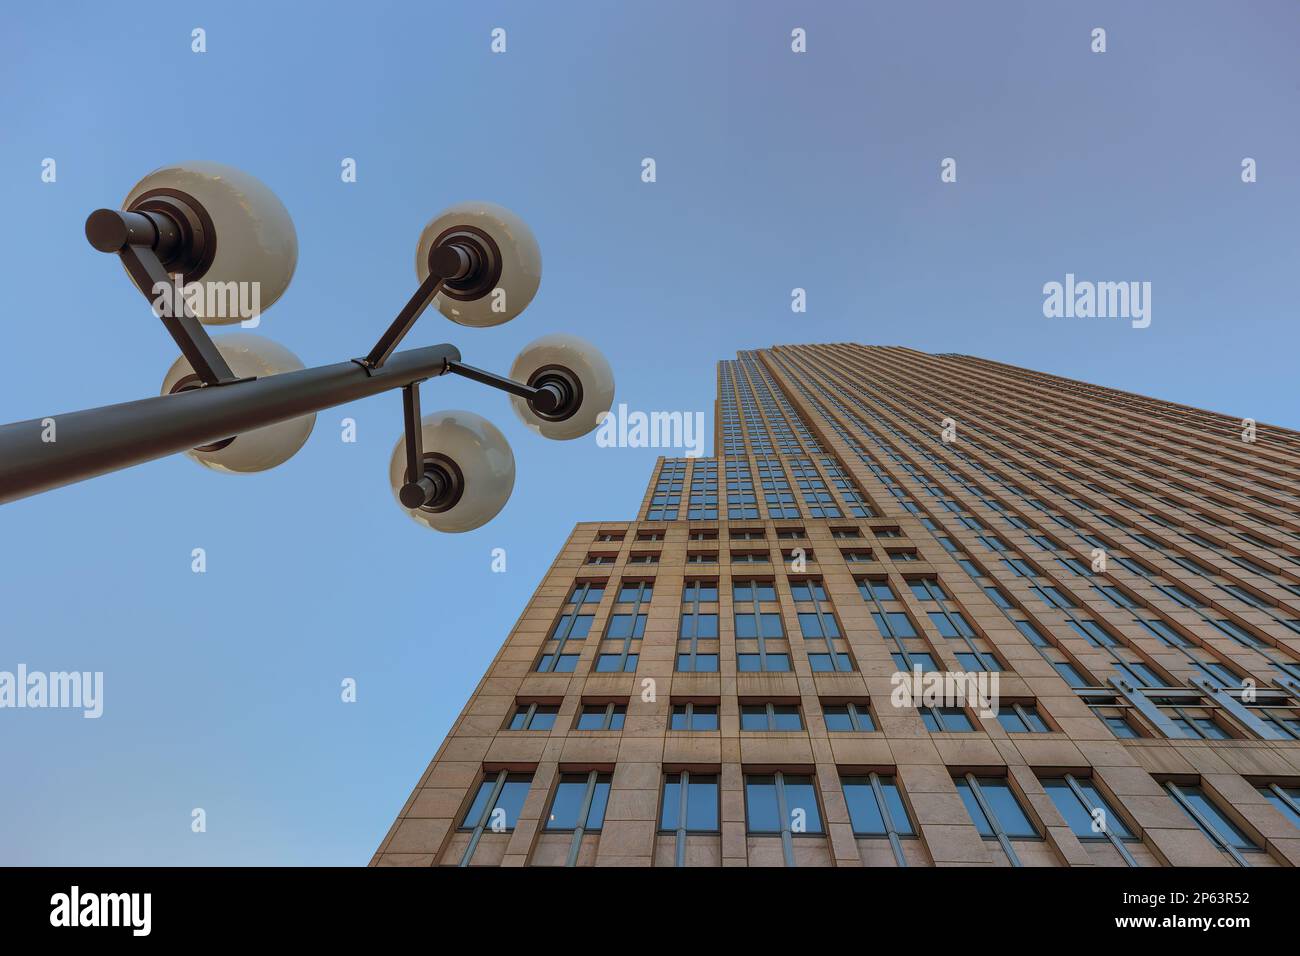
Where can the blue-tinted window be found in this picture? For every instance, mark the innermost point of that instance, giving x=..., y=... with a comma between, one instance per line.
x=1031, y=632
x=701, y=803
x=1287, y=810
x=946, y=720
x=756, y=590
x=1223, y=827
x=570, y=795
x=751, y=662
x=509, y=802
x=699, y=625
x=1002, y=803
x=926, y=662
x=614, y=663
x=563, y=664
x=1084, y=819
x=748, y=626
x=621, y=625
x=865, y=811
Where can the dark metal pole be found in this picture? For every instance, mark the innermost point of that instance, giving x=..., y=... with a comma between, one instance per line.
x=99, y=440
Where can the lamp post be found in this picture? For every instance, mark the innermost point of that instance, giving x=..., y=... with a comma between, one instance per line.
x=242, y=403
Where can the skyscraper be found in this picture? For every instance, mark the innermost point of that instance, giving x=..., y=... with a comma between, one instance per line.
x=917, y=610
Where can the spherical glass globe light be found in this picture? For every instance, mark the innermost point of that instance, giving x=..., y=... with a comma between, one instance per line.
x=569, y=357
x=255, y=245
x=477, y=450
x=520, y=261
x=249, y=356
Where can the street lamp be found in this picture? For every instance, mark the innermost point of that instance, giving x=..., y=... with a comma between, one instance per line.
x=202, y=242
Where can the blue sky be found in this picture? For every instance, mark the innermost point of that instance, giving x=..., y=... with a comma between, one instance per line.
x=774, y=171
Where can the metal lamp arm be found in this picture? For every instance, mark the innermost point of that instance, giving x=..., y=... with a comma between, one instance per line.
x=140, y=239
x=546, y=399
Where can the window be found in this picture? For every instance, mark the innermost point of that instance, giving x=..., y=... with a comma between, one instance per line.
x=978, y=661
x=807, y=591
x=690, y=803
x=781, y=803
x=558, y=663
x=1163, y=632
x=946, y=720
x=1053, y=597
x=850, y=716
x=626, y=625
x=500, y=796
x=1084, y=809
x=876, y=806
x=699, y=624
x=1286, y=798
x=572, y=625
x=1179, y=596
x=769, y=716
x=751, y=625
x=697, y=663
x=1213, y=823
x=1238, y=633
x=579, y=802
x=635, y=592
x=616, y=663
x=1070, y=674
x=1093, y=633
x=927, y=589
x=951, y=624
x=755, y=630
x=601, y=717
x=894, y=624
x=877, y=590
x=749, y=663
x=534, y=717
x=701, y=592
x=1022, y=719
x=1139, y=673
x=584, y=593
x=909, y=662
x=819, y=628
x=1114, y=595
x=1119, y=726
x=692, y=716
x=750, y=591
x=993, y=807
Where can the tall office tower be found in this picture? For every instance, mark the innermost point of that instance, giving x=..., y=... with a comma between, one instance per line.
x=918, y=610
